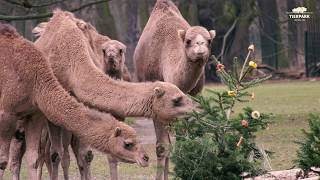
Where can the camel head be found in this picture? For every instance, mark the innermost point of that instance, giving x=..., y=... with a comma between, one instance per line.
x=114, y=56
x=125, y=146
x=170, y=102
x=197, y=41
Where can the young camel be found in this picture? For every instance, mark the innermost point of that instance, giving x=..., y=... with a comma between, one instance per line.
x=72, y=46
x=29, y=90
x=171, y=50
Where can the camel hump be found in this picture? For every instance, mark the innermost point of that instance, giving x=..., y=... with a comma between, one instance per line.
x=8, y=30
x=166, y=5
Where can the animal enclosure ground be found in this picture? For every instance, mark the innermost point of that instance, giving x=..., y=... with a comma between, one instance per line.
x=290, y=102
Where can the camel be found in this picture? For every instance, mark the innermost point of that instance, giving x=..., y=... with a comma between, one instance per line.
x=73, y=48
x=29, y=90
x=170, y=50
x=114, y=59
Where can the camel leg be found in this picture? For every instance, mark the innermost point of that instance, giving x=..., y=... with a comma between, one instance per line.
x=33, y=130
x=162, y=150
x=47, y=158
x=17, y=150
x=42, y=150
x=65, y=161
x=113, y=165
x=55, y=149
x=84, y=157
x=7, y=129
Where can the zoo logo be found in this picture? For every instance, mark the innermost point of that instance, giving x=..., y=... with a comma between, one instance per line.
x=299, y=14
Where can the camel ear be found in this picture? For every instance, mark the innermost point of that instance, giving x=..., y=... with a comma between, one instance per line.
x=159, y=92
x=212, y=33
x=117, y=132
x=37, y=31
x=82, y=25
x=182, y=33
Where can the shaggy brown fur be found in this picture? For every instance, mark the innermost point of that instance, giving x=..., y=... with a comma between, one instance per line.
x=27, y=84
x=171, y=50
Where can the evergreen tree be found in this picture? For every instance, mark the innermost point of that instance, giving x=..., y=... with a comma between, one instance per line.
x=309, y=152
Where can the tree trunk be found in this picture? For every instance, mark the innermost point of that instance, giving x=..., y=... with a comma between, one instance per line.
x=105, y=23
x=132, y=31
x=238, y=45
x=270, y=33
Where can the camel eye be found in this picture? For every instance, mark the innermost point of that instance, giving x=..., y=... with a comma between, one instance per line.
x=120, y=51
x=128, y=146
x=188, y=42
x=177, y=101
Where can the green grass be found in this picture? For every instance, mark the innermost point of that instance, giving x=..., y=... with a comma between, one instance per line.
x=290, y=102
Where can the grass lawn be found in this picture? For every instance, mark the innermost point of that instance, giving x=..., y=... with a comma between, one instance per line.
x=290, y=102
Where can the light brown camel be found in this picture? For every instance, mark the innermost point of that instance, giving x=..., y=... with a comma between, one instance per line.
x=171, y=50
x=72, y=46
x=29, y=89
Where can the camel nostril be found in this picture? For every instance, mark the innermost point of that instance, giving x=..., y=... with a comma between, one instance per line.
x=146, y=158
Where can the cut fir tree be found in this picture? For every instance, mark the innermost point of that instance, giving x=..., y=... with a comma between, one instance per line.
x=309, y=151
x=213, y=144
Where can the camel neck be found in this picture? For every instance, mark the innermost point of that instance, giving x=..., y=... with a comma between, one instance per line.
x=63, y=110
x=186, y=74
x=119, y=98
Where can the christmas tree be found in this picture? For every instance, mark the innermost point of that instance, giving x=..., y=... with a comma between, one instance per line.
x=309, y=152
x=215, y=143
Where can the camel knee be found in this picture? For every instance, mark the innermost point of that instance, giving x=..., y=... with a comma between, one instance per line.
x=89, y=157
x=162, y=151
x=3, y=165
x=55, y=158
x=19, y=135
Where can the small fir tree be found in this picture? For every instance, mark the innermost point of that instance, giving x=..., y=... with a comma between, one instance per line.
x=309, y=151
x=212, y=144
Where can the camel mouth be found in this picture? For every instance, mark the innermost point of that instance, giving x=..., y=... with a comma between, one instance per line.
x=142, y=162
x=198, y=60
x=125, y=160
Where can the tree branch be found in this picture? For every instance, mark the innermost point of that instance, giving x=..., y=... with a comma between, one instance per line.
x=45, y=15
x=221, y=55
x=46, y=4
x=14, y=2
